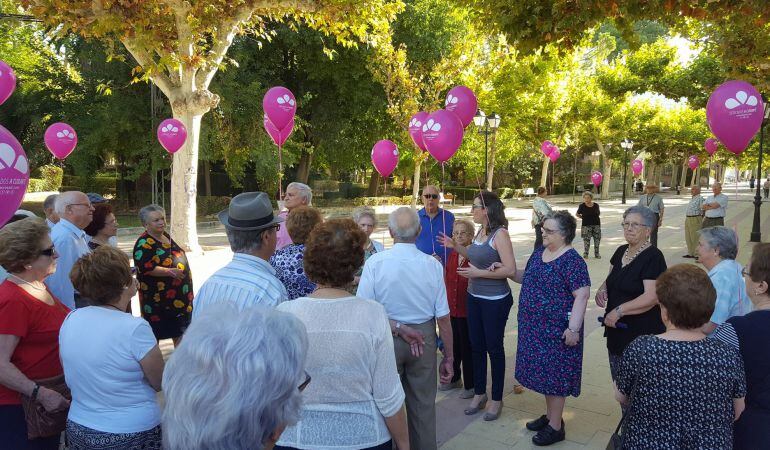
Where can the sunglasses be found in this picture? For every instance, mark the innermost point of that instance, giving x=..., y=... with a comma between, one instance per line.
x=277, y=227
x=304, y=384
x=48, y=252
x=433, y=196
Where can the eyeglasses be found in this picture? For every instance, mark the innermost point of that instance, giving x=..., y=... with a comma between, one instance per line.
x=49, y=252
x=87, y=205
x=548, y=231
x=304, y=384
x=433, y=196
x=745, y=272
x=460, y=233
x=277, y=226
x=631, y=225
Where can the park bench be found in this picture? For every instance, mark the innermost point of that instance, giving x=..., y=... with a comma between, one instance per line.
x=446, y=198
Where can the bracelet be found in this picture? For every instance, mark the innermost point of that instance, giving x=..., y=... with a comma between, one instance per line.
x=33, y=396
x=574, y=331
x=619, y=310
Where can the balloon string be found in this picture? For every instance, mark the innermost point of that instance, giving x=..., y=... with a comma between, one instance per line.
x=443, y=210
x=280, y=172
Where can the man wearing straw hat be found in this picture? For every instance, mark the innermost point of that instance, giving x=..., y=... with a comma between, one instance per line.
x=248, y=279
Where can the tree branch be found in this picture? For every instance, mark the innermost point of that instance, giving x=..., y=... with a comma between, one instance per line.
x=144, y=58
x=226, y=31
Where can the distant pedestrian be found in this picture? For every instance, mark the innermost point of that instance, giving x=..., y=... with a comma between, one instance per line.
x=692, y=221
x=653, y=201
x=591, y=226
x=766, y=188
x=751, y=182
x=540, y=208
x=715, y=207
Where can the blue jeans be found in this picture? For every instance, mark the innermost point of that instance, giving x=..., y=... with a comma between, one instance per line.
x=486, y=328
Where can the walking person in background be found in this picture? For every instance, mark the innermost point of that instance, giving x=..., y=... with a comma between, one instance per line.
x=766, y=188
x=654, y=202
x=714, y=207
x=591, y=226
x=433, y=221
x=540, y=208
x=692, y=221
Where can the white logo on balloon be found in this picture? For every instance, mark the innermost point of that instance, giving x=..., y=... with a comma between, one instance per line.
x=170, y=129
x=65, y=134
x=432, y=126
x=415, y=123
x=741, y=98
x=451, y=100
x=8, y=159
x=285, y=99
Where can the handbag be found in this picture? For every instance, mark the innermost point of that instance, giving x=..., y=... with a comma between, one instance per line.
x=616, y=440
x=41, y=423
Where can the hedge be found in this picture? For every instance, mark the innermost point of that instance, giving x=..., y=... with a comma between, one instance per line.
x=37, y=185
x=52, y=176
x=208, y=206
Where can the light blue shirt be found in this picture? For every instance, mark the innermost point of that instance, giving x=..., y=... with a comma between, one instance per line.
x=3, y=274
x=246, y=281
x=721, y=200
x=70, y=242
x=407, y=282
x=732, y=299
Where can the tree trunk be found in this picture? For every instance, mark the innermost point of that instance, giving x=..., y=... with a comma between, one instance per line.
x=374, y=183
x=543, y=173
x=303, y=169
x=606, y=169
x=207, y=176
x=184, y=184
x=651, y=173
x=683, y=178
x=491, y=161
x=416, y=181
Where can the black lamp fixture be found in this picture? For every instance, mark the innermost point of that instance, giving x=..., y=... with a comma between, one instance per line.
x=756, y=234
x=486, y=125
x=626, y=145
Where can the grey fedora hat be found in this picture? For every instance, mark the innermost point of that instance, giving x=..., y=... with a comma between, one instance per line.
x=249, y=211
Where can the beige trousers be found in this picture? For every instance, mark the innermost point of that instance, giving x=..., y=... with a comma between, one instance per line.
x=691, y=227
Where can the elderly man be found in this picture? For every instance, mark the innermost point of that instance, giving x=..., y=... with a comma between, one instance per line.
x=51, y=218
x=692, y=221
x=715, y=207
x=248, y=279
x=654, y=201
x=75, y=213
x=297, y=194
x=434, y=220
x=410, y=285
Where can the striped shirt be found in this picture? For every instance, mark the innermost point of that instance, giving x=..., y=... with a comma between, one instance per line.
x=726, y=333
x=246, y=281
x=693, y=208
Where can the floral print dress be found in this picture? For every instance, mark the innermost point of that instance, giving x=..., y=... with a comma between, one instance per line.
x=166, y=302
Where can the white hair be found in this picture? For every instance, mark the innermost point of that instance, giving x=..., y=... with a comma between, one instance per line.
x=64, y=200
x=50, y=201
x=234, y=379
x=144, y=213
x=304, y=191
x=723, y=239
x=404, y=223
x=365, y=211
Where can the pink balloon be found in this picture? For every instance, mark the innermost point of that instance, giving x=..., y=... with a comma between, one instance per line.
x=172, y=135
x=385, y=157
x=280, y=106
x=415, y=129
x=734, y=113
x=279, y=137
x=7, y=81
x=693, y=162
x=596, y=178
x=442, y=134
x=636, y=166
x=712, y=145
x=462, y=101
x=61, y=139
x=555, y=154
x=14, y=174
x=547, y=147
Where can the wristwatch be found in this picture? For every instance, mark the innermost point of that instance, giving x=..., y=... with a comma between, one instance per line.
x=619, y=310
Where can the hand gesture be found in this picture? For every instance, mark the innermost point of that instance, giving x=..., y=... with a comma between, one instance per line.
x=471, y=271
x=445, y=240
x=571, y=339
x=495, y=266
x=601, y=298
x=51, y=400
x=176, y=273
x=446, y=370
x=414, y=338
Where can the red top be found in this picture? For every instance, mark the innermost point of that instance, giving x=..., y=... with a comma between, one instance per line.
x=37, y=325
x=456, y=286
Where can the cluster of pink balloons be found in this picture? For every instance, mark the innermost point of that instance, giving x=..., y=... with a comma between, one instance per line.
x=14, y=165
x=550, y=150
x=280, y=107
x=596, y=178
x=637, y=166
x=734, y=113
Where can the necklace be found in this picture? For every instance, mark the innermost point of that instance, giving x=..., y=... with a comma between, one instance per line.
x=107, y=305
x=640, y=250
x=22, y=280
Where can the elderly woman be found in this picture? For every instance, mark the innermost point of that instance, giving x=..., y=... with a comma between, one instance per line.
x=554, y=293
x=103, y=226
x=356, y=399
x=457, y=297
x=591, y=225
x=681, y=389
x=30, y=319
x=540, y=208
x=114, y=383
x=628, y=293
x=165, y=281
x=717, y=249
x=261, y=353
x=287, y=261
x=489, y=297
x=366, y=219
x=750, y=334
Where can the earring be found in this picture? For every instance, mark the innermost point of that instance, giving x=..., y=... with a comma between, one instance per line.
x=28, y=267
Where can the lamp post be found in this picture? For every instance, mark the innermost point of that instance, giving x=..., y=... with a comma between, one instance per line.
x=487, y=125
x=756, y=234
x=626, y=145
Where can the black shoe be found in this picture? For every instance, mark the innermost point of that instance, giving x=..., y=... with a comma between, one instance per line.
x=538, y=424
x=548, y=436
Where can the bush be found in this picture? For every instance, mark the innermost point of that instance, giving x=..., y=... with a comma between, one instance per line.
x=208, y=206
x=52, y=177
x=100, y=184
x=506, y=192
x=37, y=185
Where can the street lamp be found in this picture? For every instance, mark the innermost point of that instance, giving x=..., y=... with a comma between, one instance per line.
x=626, y=145
x=756, y=235
x=487, y=125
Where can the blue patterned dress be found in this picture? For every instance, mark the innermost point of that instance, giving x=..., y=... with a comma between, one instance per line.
x=287, y=263
x=544, y=363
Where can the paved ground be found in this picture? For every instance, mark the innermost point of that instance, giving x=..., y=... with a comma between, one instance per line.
x=590, y=418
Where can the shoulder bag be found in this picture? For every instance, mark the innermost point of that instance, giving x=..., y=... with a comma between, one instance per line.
x=41, y=423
